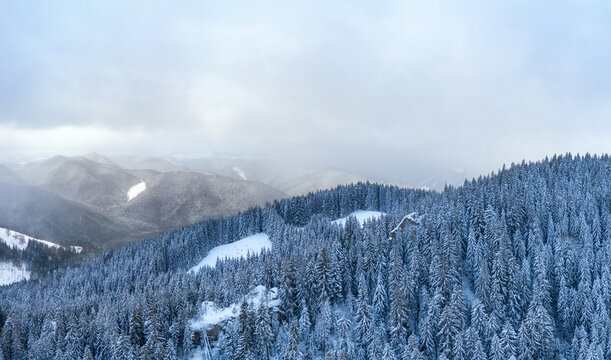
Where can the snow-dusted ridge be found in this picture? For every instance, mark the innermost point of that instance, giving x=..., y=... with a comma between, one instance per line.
x=251, y=245
x=360, y=215
x=136, y=190
x=17, y=240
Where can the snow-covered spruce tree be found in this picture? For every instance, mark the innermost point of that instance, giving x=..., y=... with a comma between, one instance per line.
x=292, y=351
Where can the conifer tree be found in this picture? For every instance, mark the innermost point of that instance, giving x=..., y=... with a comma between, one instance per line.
x=245, y=333
x=508, y=340
x=324, y=325
x=170, y=351
x=292, y=351
x=263, y=331
x=379, y=299
x=136, y=327
x=364, y=318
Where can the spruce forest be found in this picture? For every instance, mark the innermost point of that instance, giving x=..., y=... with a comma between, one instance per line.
x=513, y=265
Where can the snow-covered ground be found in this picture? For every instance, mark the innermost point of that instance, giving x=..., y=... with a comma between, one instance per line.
x=252, y=245
x=211, y=315
x=360, y=215
x=412, y=217
x=9, y=273
x=17, y=240
x=198, y=354
x=136, y=190
x=239, y=172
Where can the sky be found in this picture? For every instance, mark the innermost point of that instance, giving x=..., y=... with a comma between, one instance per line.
x=386, y=88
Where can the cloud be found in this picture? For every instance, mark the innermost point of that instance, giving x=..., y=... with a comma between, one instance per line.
x=334, y=83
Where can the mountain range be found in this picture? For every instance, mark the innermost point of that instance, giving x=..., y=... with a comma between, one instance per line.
x=99, y=202
x=513, y=265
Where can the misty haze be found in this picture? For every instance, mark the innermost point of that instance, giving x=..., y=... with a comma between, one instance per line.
x=234, y=180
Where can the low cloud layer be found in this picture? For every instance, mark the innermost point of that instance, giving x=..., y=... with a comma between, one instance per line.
x=384, y=89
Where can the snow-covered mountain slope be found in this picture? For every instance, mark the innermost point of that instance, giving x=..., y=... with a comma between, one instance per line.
x=251, y=245
x=329, y=281
x=360, y=215
x=210, y=314
x=46, y=215
x=101, y=186
x=17, y=240
x=9, y=273
x=239, y=172
x=136, y=190
x=128, y=204
x=176, y=199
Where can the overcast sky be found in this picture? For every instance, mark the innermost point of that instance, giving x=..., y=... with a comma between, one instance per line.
x=381, y=88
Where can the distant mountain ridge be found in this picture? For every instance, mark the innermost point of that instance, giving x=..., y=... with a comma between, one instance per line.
x=84, y=201
x=43, y=214
x=291, y=179
x=90, y=204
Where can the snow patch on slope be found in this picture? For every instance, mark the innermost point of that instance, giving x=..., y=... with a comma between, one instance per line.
x=252, y=245
x=17, y=240
x=9, y=273
x=412, y=218
x=136, y=190
x=360, y=215
x=211, y=315
x=239, y=172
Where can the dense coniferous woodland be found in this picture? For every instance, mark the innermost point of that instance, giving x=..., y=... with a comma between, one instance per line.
x=515, y=265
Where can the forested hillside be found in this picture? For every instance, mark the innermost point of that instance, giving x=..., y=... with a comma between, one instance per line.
x=511, y=265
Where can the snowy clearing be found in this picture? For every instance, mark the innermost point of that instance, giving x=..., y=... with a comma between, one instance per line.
x=9, y=273
x=17, y=240
x=211, y=315
x=361, y=216
x=252, y=245
x=136, y=190
x=239, y=172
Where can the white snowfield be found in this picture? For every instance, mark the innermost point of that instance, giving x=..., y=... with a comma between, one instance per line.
x=361, y=216
x=251, y=245
x=17, y=240
x=9, y=273
x=136, y=190
x=211, y=315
